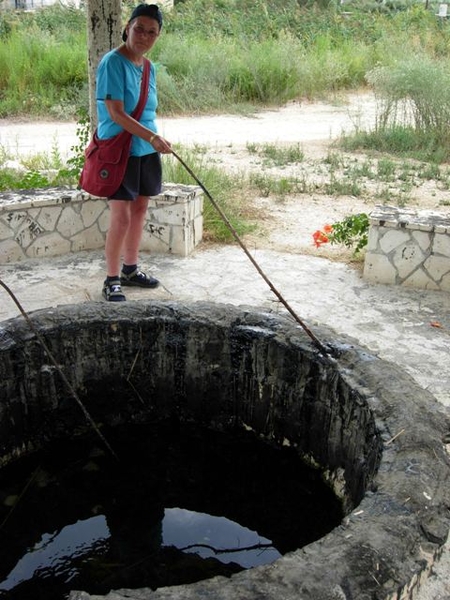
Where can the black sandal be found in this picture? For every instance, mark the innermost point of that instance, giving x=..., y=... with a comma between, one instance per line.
x=139, y=279
x=112, y=291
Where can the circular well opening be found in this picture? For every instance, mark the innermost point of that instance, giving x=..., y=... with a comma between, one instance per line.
x=223, y=370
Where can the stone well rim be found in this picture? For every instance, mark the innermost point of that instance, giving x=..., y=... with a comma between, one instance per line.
x=400, y=526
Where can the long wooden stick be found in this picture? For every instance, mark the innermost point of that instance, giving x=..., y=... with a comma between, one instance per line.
x=225, y=219
x=56, y=365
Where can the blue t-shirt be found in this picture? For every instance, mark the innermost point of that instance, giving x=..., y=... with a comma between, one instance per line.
x=119, y=79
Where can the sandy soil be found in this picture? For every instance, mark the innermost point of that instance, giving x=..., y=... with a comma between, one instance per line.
x=287, y=222
x=237, y=143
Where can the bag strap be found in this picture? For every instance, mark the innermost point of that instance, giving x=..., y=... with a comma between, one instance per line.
x=137, y=112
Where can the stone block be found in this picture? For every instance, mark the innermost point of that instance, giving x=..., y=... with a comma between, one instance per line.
x=391, y=239
x=15, y=219
x=166, y=213
x=103, y=221
x=88, y=239
x=438, y=266
x=420, y=279
x=48, y=217
x=184, y=239
x=11, y=251
x=156, y=238
x=378, y=269
x=198, y=229
x=445, y=285
x=407, y=258
x=52, y=244
x=373, y=237
x=417, y=250
x=29, y=230
x=5, y=231
x=441, y=244
x=91, y=210
x=424, y=226
x=422, y=239
x=70, y=222
x=172, y=209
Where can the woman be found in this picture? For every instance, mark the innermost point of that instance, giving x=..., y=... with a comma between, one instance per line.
x=118, y=87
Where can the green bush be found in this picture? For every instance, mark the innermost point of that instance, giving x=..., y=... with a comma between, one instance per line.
x=46, y=76
x=413, y=116
x=352, y=232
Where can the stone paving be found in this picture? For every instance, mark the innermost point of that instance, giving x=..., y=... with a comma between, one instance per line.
x=408, y=327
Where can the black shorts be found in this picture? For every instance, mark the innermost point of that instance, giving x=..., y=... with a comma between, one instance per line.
x=143, y=177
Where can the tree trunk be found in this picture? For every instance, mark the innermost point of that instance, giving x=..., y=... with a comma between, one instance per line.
x=104, y=32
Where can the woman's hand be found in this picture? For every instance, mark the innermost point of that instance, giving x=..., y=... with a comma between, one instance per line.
x=161, y=145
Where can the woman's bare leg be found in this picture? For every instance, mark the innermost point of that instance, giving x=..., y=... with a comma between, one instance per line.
x=119, y=225
x=133, y=236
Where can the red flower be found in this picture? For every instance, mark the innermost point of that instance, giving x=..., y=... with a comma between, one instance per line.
x=321, y=236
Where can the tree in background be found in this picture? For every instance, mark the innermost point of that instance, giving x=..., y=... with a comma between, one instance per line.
x=104, y=32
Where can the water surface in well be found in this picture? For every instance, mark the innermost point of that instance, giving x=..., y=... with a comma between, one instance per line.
x=182, y=503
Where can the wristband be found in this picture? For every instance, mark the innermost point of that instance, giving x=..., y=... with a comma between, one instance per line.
x=152, y=138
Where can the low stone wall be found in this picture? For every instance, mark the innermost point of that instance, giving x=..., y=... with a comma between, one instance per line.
x=408, y=247
x=52, y=222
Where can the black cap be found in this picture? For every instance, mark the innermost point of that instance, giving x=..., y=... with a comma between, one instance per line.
x=145, y=10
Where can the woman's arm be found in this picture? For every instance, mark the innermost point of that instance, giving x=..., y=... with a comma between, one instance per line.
x=118, y=115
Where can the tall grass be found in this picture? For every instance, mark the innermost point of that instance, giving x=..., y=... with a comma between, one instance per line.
x=220, y=54
x=413, y=116
x=226, y=190
x=43, y=63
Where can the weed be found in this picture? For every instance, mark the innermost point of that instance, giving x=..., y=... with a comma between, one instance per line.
x=243, y=54
x=72, y=170
x=395, y=196
x=226, y=190
x=278, y=186
x=343, y=187
x=252, y=148
x=430, y=171
x=277, y=155
x=386, y=169
x=247, y=54
x=334, y=160
x=352, y=232
x=11, y=179
x=364, y=169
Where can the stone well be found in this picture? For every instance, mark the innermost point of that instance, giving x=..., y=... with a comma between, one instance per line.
x=377, y=436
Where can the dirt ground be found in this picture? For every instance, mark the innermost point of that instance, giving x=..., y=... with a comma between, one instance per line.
x=333, y=183
x=287, y=222
x=326, y=174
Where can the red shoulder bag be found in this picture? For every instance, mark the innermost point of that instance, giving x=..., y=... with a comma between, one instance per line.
x=105, y=161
